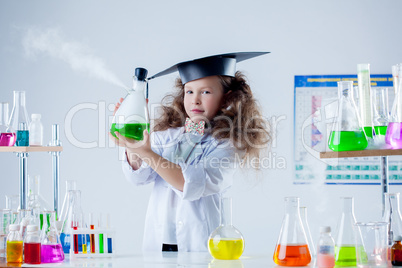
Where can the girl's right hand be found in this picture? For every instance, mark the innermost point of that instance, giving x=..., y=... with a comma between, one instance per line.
x=117, y=106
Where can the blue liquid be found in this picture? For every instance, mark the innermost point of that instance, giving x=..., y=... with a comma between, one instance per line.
x=66, y=242
x=109, y=245
x=22, y=138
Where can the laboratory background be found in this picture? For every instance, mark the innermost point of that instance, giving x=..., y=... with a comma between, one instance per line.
x=73, y=59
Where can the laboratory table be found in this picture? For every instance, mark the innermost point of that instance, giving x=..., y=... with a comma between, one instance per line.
x=163, y=260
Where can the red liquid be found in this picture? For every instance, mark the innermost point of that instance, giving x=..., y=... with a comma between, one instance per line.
x=7, y=139
x=75, y=242
x=92, y=240
x=292, y=255
x=32, y=253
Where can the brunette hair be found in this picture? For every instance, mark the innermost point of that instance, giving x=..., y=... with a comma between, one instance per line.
x=239, y=119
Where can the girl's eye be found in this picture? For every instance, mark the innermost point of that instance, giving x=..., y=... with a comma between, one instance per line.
x=189, y=92
x=206, y=92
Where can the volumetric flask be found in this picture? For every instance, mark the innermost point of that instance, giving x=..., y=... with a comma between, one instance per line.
x=345, y=251
x=292, y=246
x=226, y=242
x=51, y=250
x=7, y=134
x=132, y=117
x=392, y=216
x=347, y=133
x=371, y=244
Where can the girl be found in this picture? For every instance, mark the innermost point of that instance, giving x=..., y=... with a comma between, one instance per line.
x=211, y=121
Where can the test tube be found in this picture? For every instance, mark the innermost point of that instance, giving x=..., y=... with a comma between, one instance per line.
x=109, y=235
x=84, y=236
x=92, y=227
x=100, y=225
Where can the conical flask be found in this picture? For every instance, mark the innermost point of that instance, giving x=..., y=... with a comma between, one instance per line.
x=292, y=246
x=7, y=134
x=392, y=216
x=51, y=250
x=74, y=219
x=345, y=249
x=132, y=117
x=306, y=226
x=347, y=133
x=19, y=112
x=71, y=185
x=393, y=136
x=226, y=242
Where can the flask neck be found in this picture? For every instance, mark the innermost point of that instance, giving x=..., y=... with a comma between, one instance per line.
x=19, y=98
x=348, y=205
x=292, y=206
x=138, y=85
x=392, y=202
x=226, y=211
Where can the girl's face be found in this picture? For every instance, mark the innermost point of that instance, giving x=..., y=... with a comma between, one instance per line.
x=203, y=98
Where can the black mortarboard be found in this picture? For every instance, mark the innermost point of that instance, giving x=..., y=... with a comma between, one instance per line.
x=222, y=64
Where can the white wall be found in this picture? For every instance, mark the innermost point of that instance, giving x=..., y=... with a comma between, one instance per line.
x=305, y=37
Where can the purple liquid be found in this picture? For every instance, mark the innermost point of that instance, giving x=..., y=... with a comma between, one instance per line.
x=7, y=139
x=52, y=253
x=394, y=135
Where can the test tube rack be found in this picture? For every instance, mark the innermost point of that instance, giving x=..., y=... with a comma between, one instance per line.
x=108, y=233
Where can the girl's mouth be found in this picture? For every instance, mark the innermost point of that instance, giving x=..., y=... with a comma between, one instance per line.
x=197, y=111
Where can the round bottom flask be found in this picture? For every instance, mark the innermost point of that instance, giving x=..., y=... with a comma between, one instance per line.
x=226, y=242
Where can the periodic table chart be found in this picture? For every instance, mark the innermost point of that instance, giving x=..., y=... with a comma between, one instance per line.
x=315, y=105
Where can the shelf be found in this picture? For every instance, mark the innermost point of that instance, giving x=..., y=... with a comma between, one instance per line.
x=27, y=149
x=363, y=153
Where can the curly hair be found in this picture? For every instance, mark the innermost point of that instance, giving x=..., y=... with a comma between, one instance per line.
x=239, y=118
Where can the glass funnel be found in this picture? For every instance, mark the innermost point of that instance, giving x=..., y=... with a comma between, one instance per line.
x=226, y=242
x=392, y=216
x=19, y=112
x=132, y=117
x=345, y=250
x=51, y=250
x=347, y=133
x=292, y=246
x=7, y=134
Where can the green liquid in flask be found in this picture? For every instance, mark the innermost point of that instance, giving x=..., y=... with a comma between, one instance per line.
x=133, y=131
x=347, y=141
x=345, y=256
x=380, y=130
x=368, y=131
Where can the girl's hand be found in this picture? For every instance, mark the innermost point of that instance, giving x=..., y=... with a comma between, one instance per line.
x=117, y=106
x=140, y=148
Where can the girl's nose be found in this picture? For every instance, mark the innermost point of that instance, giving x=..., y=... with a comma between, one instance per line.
x=196, y=99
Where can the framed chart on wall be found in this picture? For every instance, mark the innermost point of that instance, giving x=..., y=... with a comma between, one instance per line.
x=315, y=105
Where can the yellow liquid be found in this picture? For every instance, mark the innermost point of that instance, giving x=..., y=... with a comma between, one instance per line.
x=14, y=251
x=84, y=248
x=226, y=249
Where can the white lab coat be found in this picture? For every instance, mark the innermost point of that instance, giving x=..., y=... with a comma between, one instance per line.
x=207, y=173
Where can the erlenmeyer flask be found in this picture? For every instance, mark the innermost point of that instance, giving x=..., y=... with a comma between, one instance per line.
x=347, y=133
x=35, y=201
x=19, y=113
x=310, y=242
x=7, y=134
x=74, y=219
x=392, y=215
x=393, y=136
x=132, y=117
x=71, y=185
x=51, y=250
x=226, y=242
x=292, y=246
x=345, y=250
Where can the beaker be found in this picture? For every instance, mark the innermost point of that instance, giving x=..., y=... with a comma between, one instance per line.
x=7, y=134
x=35, y=201
x=364, y=84
x=345, y=251
x=292, y=246
x=51, y=250
x=226, y=242
x=379, y=101
x=132, y=117
x=371, y=244
x=347, y=133
x=392, y=216
x=306, y=226
x=19, y=112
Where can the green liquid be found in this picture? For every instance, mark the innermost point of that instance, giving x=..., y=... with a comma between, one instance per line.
x=380, y=130
x=100, y=243
x=368, y=131
x=133, y=131
x=347, y=141
x=345, y=256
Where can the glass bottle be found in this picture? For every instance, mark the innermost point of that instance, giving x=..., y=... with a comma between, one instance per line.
x=226, y=242
x=303, y=216
x=392, y=215
x=51, y=250
x=35, y=201
x=325, y=248
x=19, y=112
x=396, y=252
x=347, y=133
x=132, y=117
x=393, y=136
x=26, y=218
x=74, y=220
x=14, y=244
x=32, y=245
x=345, y=249
x=364, y=84
x=7, y=134
x=292, y=246
x=36, y=131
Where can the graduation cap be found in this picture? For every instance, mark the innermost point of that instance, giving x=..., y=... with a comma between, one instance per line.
x=222, y=64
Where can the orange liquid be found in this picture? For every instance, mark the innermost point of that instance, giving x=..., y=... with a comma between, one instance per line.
x=292, y=255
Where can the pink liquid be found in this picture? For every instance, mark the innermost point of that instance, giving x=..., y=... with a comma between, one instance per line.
x=7, y=139
x=325, y=261
x=52, y=253
x=393, y=136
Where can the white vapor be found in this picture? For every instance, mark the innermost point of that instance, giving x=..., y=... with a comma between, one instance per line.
x=77, y=55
